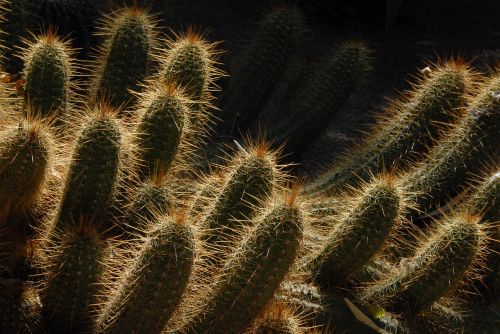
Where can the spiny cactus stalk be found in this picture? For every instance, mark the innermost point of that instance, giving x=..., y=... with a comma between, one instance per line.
x=107, y=225
x=75, y=265
x=440, y=264
x=93, y=171
x=153, y=197
x=252, y=177
x=151, y=290
x=24, y=159
x=471, y=143
x=124, y=57
x=265, y=59
x=254, y=272
x=163, y=122
x=486, y=203
x=47, y=71
x=361, y=234
x=406, y=127
x=190, y=61
x=323, y=95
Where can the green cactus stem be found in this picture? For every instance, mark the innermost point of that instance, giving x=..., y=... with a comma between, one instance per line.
x=151, y=290
x=360, y=235
x=70, y=293
x=440, y=264
x=265, y=59
x=253, y=274
x=470, y=144
x=24, y=160
x=161, y=128
x=124, y=58
x=92, y=175
x=323, y=96
x=406, y=127
x=47, y=72
x=252, y=177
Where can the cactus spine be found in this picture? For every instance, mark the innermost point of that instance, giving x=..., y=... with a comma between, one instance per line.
x=151, y=290
x=47, y=73
x=360, y=235
x=265, y=60
x=253, y=274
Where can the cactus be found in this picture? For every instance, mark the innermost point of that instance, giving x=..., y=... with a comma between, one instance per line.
x=151, y=290
x=360, y=235
x=407, y=127
x=252, y=177
x=190, y=62
x=323, y=96
x=75, y=268
x=123, y=62
x=204, y=251
x=440, y=264
x=93, y=172
x=25, y=151
x=265, y=59
x=48, y=69
x=472, y=142
x=254, y=273
x=485, y=202
x=163, y=122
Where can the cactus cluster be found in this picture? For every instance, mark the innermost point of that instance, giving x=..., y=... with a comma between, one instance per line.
x=107, y=225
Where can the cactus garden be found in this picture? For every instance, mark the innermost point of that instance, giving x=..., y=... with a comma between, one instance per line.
x=155, y=179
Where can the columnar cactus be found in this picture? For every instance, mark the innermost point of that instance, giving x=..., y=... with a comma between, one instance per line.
x=265, y=59
x=151, y=290
x=93, y=172
x=25, y=152
x=406, y=127
x=124, y=58
x=74, y=269
x=470, y=143
x=47, y=72
x=253, y=273
x=360, y=234
x=323, y=95
x=440, y=264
